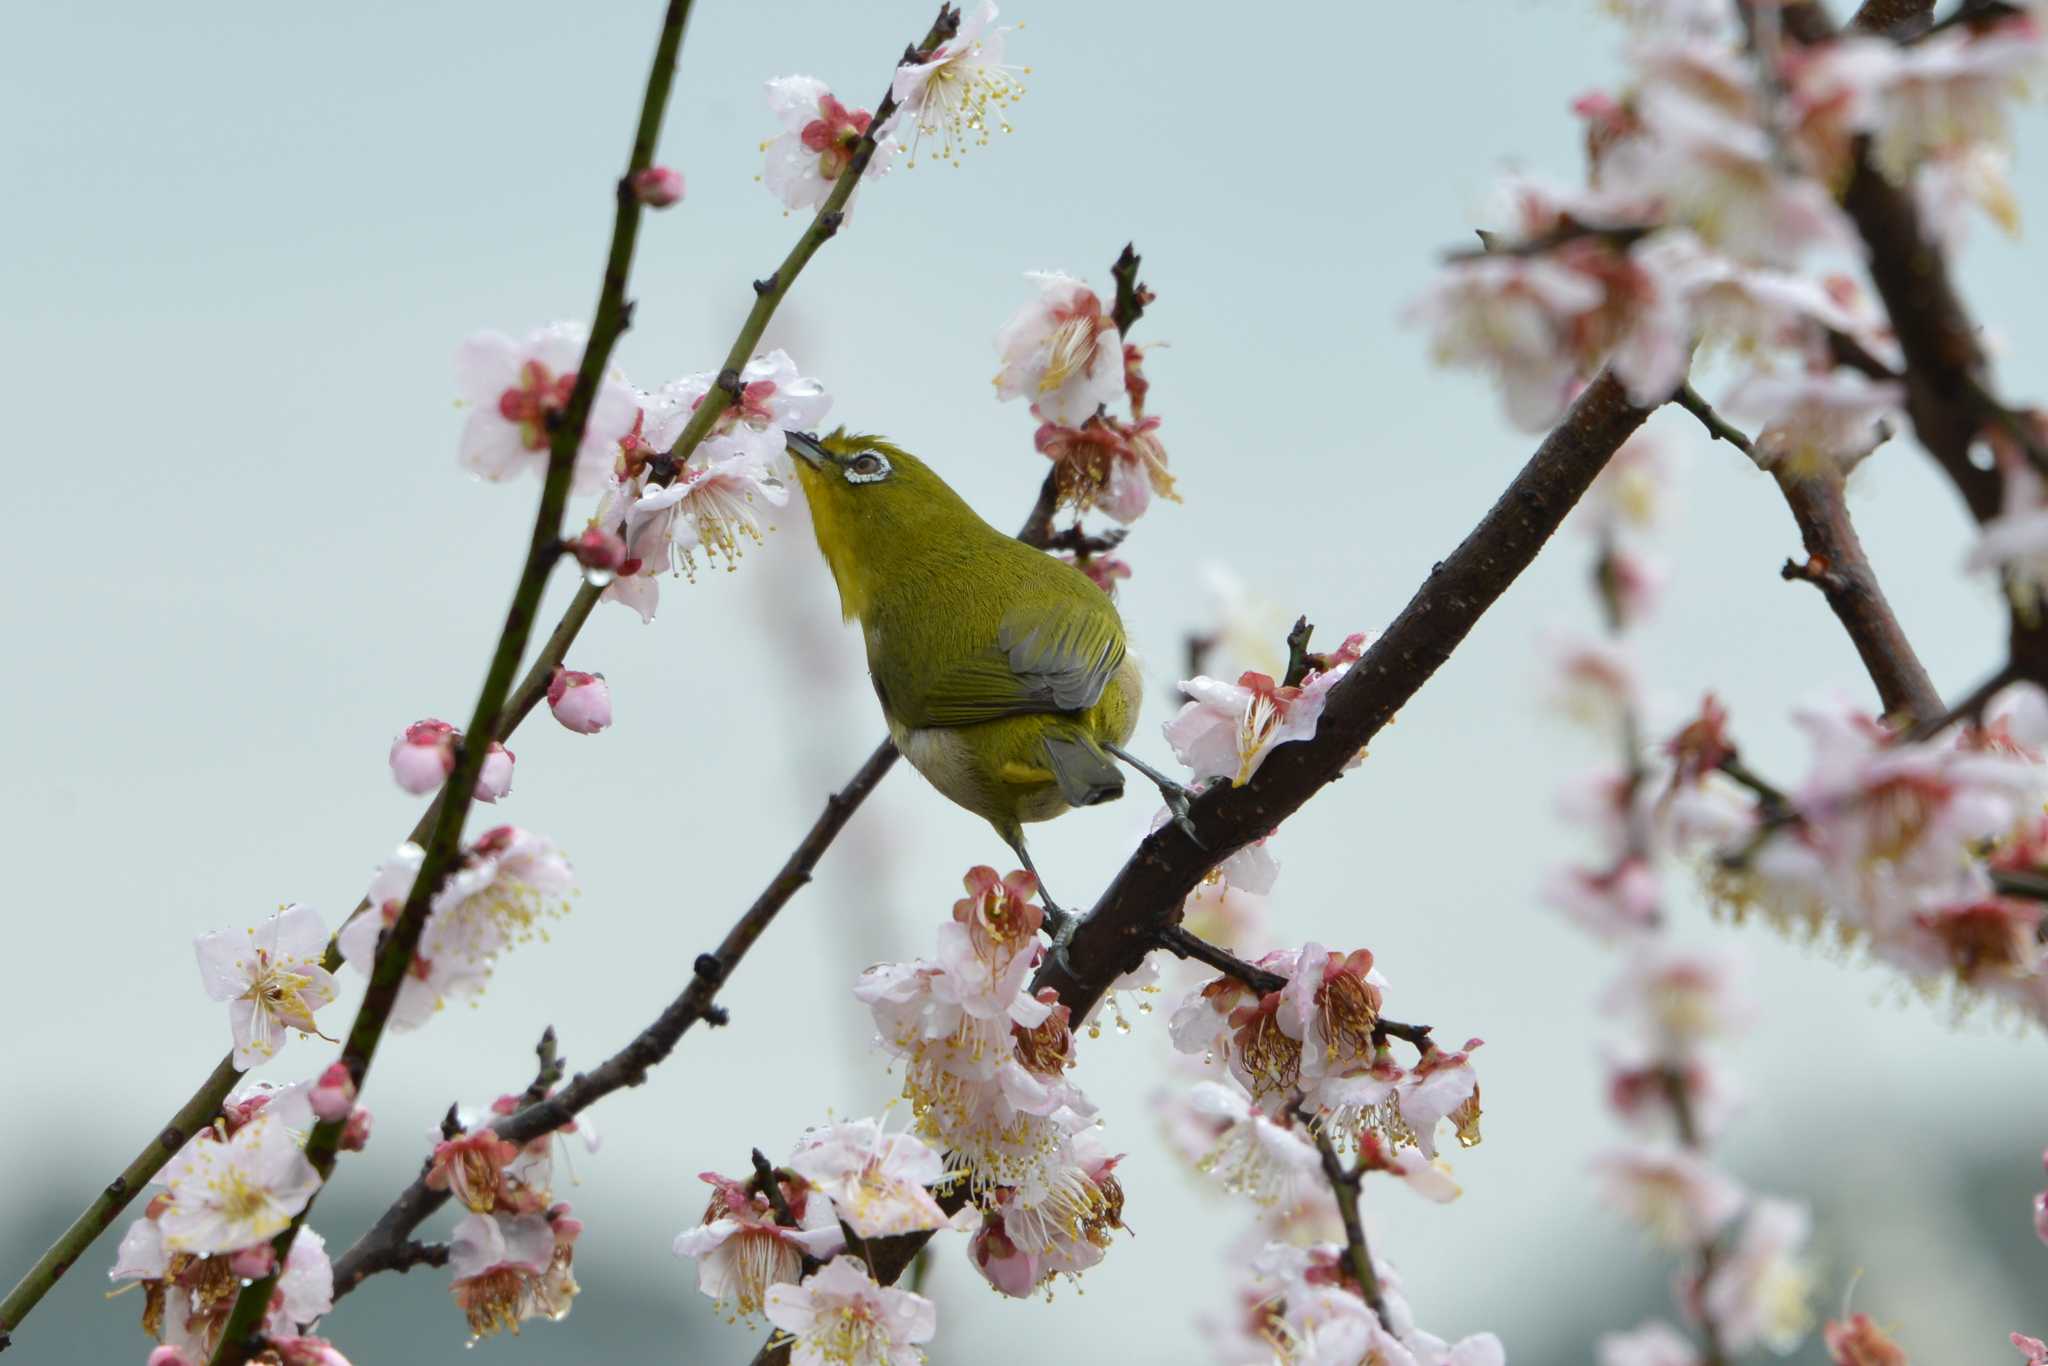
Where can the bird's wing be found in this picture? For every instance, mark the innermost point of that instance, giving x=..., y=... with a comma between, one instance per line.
x=1046, y=657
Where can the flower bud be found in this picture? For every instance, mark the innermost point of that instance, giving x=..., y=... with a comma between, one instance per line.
x=494, y=780
x=658, y=186
x=169, y=1356
x=582, y=702
x=423, y=757
x=599, y=549
x=254, y=1263
x=355, y=1136
x=333, y=1096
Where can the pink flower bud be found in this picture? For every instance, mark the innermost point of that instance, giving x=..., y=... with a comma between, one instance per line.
x=599, y=549
x=254, y=1263
x=355, y=1135
x=2041, y=1215
x=582, y=702
x=658, y=186
x=495, y=780
x=169, y=1356
x=334, y=1095
x=423, y=757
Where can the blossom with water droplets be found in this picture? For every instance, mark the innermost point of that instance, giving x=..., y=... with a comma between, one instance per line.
x=500, y=1266
x=581, y=702
x=877, y=1182
x=817, y=145
x=271, y=977
x=232, y=1193
x=958, y=93
x=1061, y=352
x=517, y=391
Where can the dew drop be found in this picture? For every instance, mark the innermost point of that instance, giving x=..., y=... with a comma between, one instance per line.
x=598, y=578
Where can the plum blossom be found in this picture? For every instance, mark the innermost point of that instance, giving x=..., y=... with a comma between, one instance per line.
x=2041, y=1208
x=1061, y=352
x=740, y=1249
x=471, y=1167
x=877, y=1182
x=817, y=145
x=1816, y=423
x=1758, y=1294
x=1512, y=316
x=1113, y=466
x=423, y=756
x=228, y=1194
x=516, y=391
x=500, y=1267
x=1678, y=997
x=1269, y=1160
x=773, y=399
x=581, y=702
x=713, y=505
x=1056, y=1225
x=270, y=976
x=841, y=1317
x=2035, y=1350
x=1860, y=1342
x=305, y=1288
x=509, y=881
x=1610, y=903
x=2014, y=544
x=958, y=93
x=1679, y=1199
x=1654, y=1343
x=332, y=1097
x=1226, y=730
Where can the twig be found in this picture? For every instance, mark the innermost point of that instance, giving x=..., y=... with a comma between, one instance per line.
x=1344, y=1186
x=1895, y=19
x=1837, y=565
x=1132, y=296
x=241, y=1336
x=630, y=1065
x=1182, y=942
x=1298, y=661
x=1969, y=708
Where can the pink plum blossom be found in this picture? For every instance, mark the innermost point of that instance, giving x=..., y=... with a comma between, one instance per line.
x=1226, y=730
x=271, y=977
x=740, y=1249
x=841, y=1317
x=494, y=779
x=333, y=1095
x=819, y=138
x=516, y=390
x=773, y=398
x=1512, y=317
x=1108, y=465
x=500, y=1266
x=1061, y=352
x=424, y=756
x=581, y=702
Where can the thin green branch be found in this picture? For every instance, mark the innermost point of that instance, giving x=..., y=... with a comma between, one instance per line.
x=1344, y=1185
x=240, y=1337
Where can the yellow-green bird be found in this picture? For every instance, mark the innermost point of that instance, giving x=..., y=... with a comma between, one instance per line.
x=1001, y=671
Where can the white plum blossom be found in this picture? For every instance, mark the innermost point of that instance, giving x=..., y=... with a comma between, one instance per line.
x=817, y=145
x=841, y=1317
x=270, y=976
x=1226, y=730
x=507, y=883
x=1652, y=1343
x=957, y=94
x=773, y=399
x=500, y=1266
x=878, y=1182
x=1678, y=1198
x=305, y=1288
x=1252, y=1155
x=714, y=507
x=2015, y=542
x=1514, y=318
x=515, y=390
x=741, y=1250
x=232, y=1193
x=1816, y=422
x=1758, y=1294
x=1061, y=352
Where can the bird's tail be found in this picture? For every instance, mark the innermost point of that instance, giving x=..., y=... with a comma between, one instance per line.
x=1086, y=776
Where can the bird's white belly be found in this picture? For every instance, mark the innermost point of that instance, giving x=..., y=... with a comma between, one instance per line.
x=941, y=755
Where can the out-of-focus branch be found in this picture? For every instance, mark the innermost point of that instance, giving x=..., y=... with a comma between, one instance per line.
x=630, y=1065
x=1344, y=1186
x=1896, y=19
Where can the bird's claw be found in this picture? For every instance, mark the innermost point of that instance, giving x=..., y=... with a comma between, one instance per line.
x=1182, y=811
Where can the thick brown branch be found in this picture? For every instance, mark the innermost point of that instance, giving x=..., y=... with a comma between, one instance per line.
x=1147, y=893
x=1894, y=18
x=629, y=1066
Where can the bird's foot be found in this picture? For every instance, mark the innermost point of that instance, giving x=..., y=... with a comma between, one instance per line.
x=1180, y=805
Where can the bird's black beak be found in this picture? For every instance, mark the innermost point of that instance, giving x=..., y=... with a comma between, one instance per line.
x=805, y=447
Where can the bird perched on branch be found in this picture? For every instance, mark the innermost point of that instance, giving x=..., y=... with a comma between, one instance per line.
x=1001, y=671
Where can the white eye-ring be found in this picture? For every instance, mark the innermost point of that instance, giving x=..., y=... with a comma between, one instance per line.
x=867, y=467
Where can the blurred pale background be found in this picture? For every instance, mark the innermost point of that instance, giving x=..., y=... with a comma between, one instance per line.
x=241, y=243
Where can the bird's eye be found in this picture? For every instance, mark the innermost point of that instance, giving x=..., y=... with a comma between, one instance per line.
x=867, y=467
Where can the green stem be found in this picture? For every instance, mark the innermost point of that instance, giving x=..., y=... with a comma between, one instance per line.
x=241, y=1334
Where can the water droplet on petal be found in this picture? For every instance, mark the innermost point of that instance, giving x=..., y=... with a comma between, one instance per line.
x=599, y=578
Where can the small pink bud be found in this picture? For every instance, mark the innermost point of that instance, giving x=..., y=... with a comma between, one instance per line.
x=495, y=780
x=254, y=1263
x=355, y=1135
x=423, y=757
x=599, y=549
x=334, y=1095
x=582, y=702
x=658, y=186
x=169, y=1356
x=2041, y=1215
